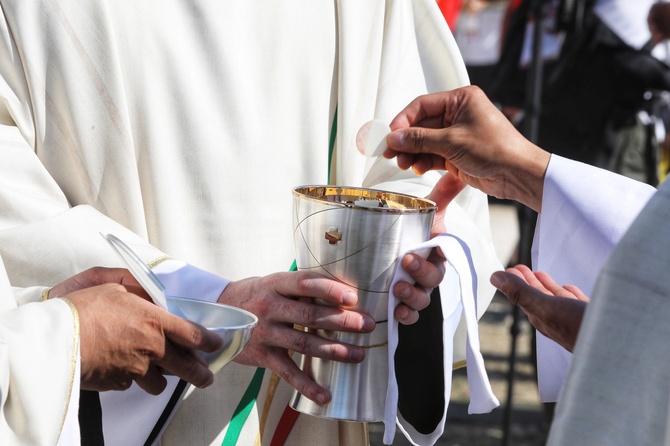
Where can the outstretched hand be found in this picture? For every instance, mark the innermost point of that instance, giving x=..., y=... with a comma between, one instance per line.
x=555, y=311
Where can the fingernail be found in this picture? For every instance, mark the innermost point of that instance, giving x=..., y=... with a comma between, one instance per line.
x=404, y=291
x=356, y=354
x=396, y=139
x=367, y=323
x=414, y=265
x=402, y=312
x=320, y=398
x=209, y=382
x=349, y=298
x=498, y=279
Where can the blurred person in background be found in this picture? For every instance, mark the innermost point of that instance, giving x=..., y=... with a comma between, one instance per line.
x=598, y=64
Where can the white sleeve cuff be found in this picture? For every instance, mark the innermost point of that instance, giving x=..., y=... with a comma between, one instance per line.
x=184, y=280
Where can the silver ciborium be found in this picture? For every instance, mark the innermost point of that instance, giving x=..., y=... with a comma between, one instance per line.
x=355, y=236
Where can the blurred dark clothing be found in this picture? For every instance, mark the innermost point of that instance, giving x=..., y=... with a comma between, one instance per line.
x=595, y=87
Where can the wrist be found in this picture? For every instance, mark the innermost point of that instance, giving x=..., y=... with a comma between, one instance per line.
x=527, y=180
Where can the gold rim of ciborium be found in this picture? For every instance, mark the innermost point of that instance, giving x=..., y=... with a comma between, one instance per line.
x=346, y=196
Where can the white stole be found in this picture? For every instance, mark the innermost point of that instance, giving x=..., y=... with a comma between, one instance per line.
x=39, y=371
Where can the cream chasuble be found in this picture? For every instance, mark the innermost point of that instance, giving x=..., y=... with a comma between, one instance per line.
x=39, y=370
x=188, y=123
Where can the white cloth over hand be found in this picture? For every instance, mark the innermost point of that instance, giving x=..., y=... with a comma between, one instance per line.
x=458, y=291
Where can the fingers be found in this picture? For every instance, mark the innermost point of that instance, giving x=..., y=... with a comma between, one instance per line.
x=286, y=368
x=579, y=294
x=425, y=111
x=416, y=140
x=553, y=288
x=269, y=348
x=322, y=316
x=512, y=282
x=300, y=283
x=513, y=285
x=171, y=351
x=177, y=362
x=414, y=299
x=181, y=360
x=186, y=365
x=443, y=193
x=321, y=347
x=421, y=149
x=153, y=382
x=428, y=274
x=569, y=291
x=125, y=338
x=101, y=275
x=557, y=318
x=404, y=160
x=423, y=126
x=188, y=334
x=532, y=301
x=283, y=299
x=308, y=314
x=528, y=276
x=545, y=283
x=93, y=277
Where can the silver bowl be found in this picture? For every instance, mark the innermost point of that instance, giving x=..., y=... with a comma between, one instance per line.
x=234, y=325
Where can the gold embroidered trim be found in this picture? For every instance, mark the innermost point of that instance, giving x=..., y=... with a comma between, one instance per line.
x=269, y=396
x=374, y=345
x=459, y=364
x=73, y=361
x=45, y=294
x=350, y=432
x=272, y=389
x=158, y=261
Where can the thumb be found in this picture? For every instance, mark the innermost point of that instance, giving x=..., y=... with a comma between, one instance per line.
x=512, y=286
x=418, y=140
